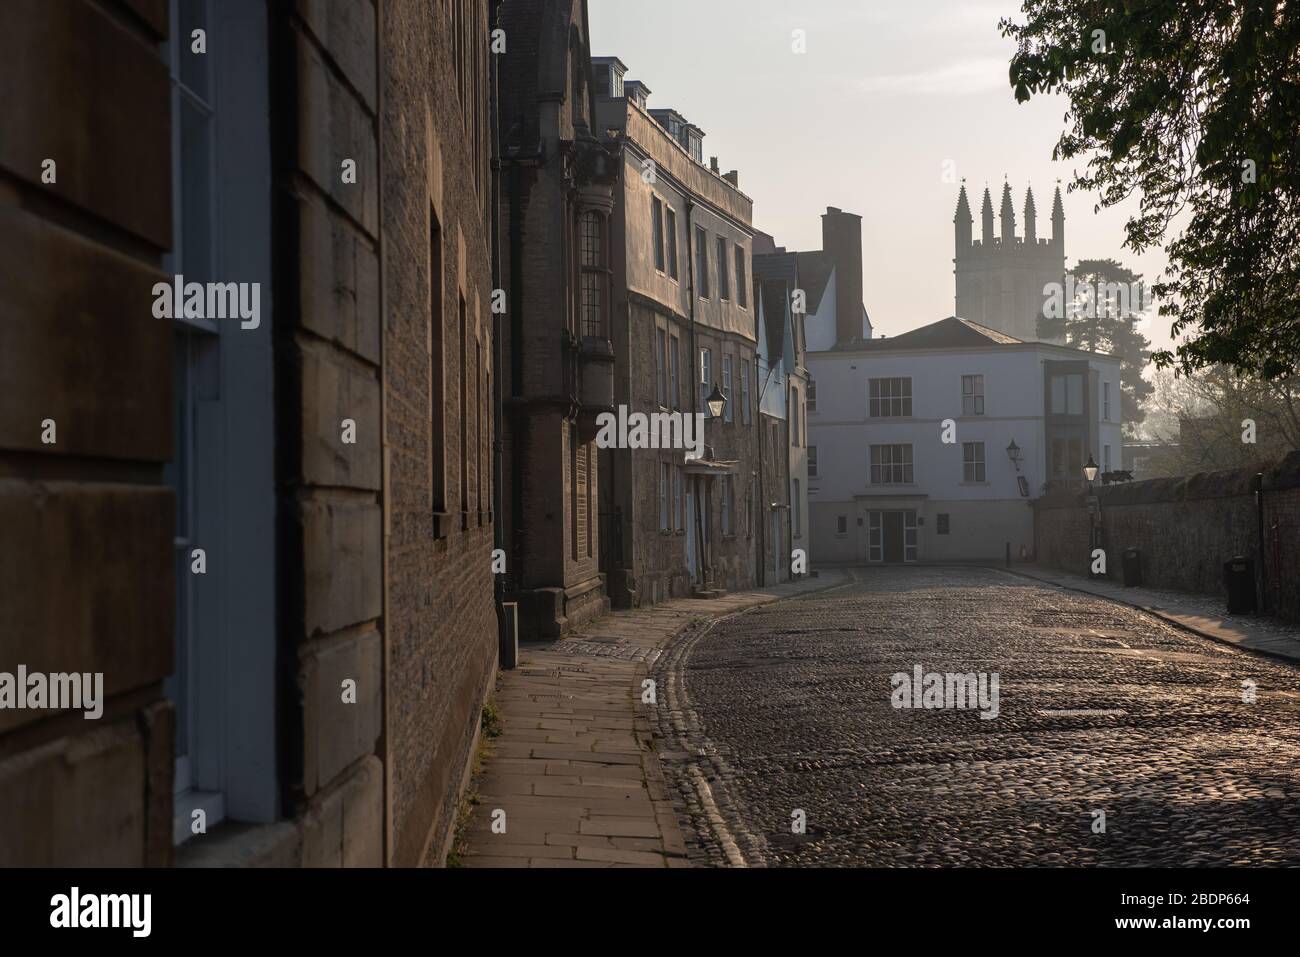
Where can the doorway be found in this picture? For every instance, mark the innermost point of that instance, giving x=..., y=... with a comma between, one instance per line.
x=891, y=536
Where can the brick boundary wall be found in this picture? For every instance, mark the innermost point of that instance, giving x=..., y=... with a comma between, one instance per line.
x=1186, y=528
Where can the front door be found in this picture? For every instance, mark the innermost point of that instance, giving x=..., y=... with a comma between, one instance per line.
x=893, y=536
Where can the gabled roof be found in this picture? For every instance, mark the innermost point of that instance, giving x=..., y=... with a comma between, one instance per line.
x=775, y=302
x=950, y=333
x=815, y=270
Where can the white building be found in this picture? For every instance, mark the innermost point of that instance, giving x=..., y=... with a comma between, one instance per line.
x=885, y=486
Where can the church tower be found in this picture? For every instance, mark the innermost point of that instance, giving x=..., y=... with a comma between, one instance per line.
x=1000, y=278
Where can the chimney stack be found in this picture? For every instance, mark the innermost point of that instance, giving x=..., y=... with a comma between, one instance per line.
x=713, y=164
x=733, y=178
x=842, y=241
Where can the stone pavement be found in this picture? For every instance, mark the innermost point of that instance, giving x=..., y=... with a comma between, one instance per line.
x=1205, y=615
x=573, y=770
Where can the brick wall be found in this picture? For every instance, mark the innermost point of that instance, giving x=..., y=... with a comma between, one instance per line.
x=382, y=584
x=1186, y=529
x=440, y=608
x=85, y=557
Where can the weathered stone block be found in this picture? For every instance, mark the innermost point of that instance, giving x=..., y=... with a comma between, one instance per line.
x=336, y=388
x=342, y=564
x=333, y=126
x=344, y=827
x=339, y=280
x=93, y=566
x=347, y=31
x=337, y=733
x=80, y=345
x=113, y=162
x=80, y=801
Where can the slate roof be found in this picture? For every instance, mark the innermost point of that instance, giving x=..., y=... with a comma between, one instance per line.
x=950, y=333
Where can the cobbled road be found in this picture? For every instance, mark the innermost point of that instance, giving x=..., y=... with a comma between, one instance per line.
x=1101, y=708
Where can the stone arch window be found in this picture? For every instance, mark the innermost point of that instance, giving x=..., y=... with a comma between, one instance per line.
x=594, y=261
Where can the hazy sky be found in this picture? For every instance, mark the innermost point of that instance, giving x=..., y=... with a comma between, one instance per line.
x=887, y=91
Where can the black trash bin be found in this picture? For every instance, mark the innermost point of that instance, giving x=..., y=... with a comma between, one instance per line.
x=1132, y=567
x=1239, y=582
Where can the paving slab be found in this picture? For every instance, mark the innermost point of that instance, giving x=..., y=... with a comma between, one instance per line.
x=573, y=767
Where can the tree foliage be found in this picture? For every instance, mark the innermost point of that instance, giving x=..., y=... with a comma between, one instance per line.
x=1091, y=322
x=1194, y=106
x=1198, y=420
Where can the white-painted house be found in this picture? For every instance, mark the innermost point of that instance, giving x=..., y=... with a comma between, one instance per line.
x=884, y=486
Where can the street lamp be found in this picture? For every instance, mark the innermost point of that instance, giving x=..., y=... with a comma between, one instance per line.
x=1090, y=471
x=716, y=402
x=1014, y=454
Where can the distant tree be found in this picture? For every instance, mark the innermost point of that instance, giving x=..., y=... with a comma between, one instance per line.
x=1199, y=418
x=1094, y=320
x=1194, y=105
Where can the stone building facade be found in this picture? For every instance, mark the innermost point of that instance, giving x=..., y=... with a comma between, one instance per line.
x=557, y=347
x=683, y=325
x=1000, y=278
x=271, y=532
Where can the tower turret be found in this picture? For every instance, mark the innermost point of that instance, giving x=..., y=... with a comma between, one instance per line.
x=1058, y=220
x=1008, y=217
x=986, y=215
x=963, y=222
x=1031, y=219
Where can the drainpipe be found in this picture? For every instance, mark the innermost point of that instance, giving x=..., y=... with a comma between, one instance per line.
x=498, y=343
x=1263, y=568
x=516, y=372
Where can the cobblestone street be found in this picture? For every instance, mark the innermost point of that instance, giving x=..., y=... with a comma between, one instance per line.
x=1102, y=708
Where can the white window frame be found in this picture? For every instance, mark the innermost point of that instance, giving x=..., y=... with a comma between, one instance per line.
x=728, y=410
x=665, y=521
x=972, y=394
x=893, y=398
x=706, y=376
x=900, y=463
x=746, y=413
x=661, y=373
x=674, y=387
x=973, y=464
